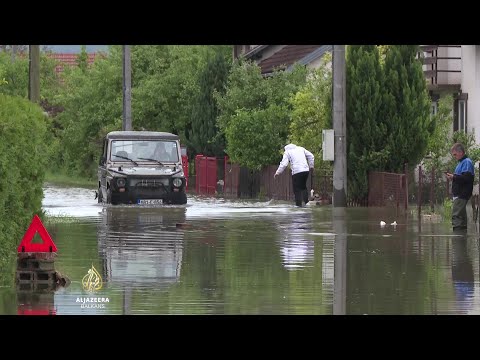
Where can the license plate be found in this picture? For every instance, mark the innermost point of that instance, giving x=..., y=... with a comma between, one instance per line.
x=150, y=202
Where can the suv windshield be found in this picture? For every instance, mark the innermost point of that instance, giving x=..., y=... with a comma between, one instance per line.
x=139, y=150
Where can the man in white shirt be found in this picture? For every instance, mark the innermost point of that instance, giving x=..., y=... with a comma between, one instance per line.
x=301, y=162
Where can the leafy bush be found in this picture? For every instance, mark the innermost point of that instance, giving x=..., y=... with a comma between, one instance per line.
x=22, y=168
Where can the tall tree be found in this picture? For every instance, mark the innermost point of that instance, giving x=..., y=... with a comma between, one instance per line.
x=366, y=130
x=409, y=124
x=204, y=135
x=255, y=113
x=92, y=103
x=312, y=111
x=166, y=85
x=82, y=59
x=165, y=80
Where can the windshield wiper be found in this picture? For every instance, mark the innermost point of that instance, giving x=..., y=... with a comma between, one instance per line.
x=151, y=160
x=126, y=158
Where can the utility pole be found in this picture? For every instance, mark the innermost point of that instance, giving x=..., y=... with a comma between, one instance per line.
x=339, y=127
x=127, y=89
x=34, y=73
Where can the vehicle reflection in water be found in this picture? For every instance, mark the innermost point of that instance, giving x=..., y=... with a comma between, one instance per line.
x=141, y=246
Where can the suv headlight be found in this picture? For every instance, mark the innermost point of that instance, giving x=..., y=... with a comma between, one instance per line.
x=177, y=182
x=121, y=182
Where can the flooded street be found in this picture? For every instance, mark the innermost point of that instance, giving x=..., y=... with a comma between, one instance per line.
x=216, y=256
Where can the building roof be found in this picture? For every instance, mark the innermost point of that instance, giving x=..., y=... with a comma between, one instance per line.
x=69, y=60
x=255, y=51
x=287, y=56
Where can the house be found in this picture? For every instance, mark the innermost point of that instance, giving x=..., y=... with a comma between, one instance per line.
x=455, y=69
x=76, y=49
x=271, y=57
x=68, y=54
x=67, y=59
x=448, y=69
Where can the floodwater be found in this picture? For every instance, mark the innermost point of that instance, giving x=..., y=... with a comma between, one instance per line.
x=216, y=256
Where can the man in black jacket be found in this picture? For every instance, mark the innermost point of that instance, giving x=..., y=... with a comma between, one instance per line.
x=462, y=186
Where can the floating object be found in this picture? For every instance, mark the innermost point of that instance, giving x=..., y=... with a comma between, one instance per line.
x=383, y=223
x=394, y=223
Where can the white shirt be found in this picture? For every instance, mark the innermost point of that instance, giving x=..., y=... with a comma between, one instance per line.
x=300, y=159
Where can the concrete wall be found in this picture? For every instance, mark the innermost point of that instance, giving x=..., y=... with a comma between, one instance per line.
x=471, y=86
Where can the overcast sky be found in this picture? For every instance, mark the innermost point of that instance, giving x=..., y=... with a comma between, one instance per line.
x=73, y=49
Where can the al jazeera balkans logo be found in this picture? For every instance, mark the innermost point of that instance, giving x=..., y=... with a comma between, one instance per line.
x=91, y=283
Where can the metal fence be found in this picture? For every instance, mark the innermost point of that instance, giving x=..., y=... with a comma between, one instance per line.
x=413, y=187
x=241, y=182
x=387, y=189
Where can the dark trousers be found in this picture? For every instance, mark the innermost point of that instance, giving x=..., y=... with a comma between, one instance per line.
x=299, y=181
x=459, y=214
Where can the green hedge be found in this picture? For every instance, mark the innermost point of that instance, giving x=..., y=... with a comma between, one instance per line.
x=22, y=169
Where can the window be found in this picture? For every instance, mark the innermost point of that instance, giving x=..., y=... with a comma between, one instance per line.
x=462, y=117
x=434, y=108
x=140, y=150
x=460, y=120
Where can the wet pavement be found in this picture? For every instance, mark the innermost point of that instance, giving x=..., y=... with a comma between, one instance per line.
x=216, y=256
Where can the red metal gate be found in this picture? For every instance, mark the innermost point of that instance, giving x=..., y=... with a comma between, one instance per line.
x=232, y=174
x=206, y=174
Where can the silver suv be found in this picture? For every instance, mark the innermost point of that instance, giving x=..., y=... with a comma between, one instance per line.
x=141, y=167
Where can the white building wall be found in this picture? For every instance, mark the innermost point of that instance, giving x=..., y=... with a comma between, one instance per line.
x=315, y=64
x=454, y=64
x=445, y=62
x=442, y=65
x=471, y=86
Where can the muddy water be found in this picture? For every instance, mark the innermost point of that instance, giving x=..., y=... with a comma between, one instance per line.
x=216, y=256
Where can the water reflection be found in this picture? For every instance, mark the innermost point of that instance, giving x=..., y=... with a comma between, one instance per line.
x=35, y=302
x=296, y=247
x=140, y=247
x=462, y=273
x=340, y=253
x=258, y=258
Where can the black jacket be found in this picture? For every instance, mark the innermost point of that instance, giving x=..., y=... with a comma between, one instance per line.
x=462, y=184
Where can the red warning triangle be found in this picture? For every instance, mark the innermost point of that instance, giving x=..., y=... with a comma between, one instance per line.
x=26, y=245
